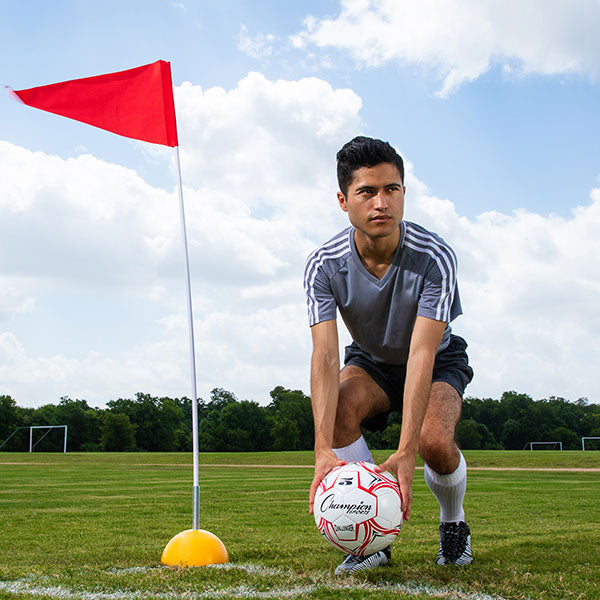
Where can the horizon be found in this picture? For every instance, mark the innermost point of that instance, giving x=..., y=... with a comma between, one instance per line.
x=494, y=111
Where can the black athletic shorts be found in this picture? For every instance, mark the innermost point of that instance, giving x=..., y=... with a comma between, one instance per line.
x=451, y=366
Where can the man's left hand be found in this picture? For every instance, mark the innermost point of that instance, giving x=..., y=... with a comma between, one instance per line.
x=403, y=467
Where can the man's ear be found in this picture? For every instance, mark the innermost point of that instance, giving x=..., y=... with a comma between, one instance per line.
x=342, y=200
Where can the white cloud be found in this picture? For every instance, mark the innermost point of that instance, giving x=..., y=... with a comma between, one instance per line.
x=35, y=380
x=258, y=168
x=529, y=287
x=258, y=46
x=14, y=297
x=75, y=219
x=259, y=165
x=267, y=150
x=460, y=40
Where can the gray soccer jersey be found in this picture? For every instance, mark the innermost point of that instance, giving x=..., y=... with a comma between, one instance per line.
x=380, y=313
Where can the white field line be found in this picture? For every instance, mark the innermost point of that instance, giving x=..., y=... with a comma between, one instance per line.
x=248, y=568
x=24, y=588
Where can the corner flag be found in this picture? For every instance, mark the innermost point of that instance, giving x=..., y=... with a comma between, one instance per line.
x=136, y=103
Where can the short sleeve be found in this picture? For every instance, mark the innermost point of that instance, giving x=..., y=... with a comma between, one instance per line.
x=320, y=301
x=439, y=299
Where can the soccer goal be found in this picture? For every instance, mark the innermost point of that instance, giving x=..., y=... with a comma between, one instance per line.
x=583, y=439
x=31, y=428
x=548, y=445
x=49, y=428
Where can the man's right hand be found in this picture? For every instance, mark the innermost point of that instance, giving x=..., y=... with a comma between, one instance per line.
x=325, y=460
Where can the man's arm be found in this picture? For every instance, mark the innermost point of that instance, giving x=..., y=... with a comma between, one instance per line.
x=425, y=340
x=324, y=386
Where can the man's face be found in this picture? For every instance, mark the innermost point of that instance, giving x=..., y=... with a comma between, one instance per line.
x=375, y=200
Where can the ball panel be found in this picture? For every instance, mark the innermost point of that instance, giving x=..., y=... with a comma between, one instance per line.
x=345, y=529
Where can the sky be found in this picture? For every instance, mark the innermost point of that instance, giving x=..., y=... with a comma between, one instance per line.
x=493, y=105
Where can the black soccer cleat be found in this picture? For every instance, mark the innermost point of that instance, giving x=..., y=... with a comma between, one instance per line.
x=455, y=544
x=352, y=563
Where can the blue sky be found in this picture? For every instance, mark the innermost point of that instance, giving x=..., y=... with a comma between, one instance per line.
x=495, y=111
x=498, y=144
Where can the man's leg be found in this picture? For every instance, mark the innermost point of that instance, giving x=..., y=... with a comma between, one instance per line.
x=359, y=398
x=446, y=472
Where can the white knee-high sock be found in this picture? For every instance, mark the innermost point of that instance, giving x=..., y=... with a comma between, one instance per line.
x=357, y=450
x=449, y=490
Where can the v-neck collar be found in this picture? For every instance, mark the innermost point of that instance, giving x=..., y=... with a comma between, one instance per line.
x=395, y=260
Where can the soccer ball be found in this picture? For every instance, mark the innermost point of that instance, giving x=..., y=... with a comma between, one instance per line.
x=357, y=509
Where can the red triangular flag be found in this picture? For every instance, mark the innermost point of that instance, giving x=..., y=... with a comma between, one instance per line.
x=137, y=103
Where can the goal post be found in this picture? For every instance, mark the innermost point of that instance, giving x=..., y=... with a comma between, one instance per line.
x=554, y=445
x=49, y=428
x=587, y=438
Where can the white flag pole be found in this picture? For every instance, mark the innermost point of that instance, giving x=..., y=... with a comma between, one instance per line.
x=194, y=547
x=196, y=500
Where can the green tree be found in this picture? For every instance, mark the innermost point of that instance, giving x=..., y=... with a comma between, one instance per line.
x=156, y=420
x=391, y=436
x=284, y=433
x=488, y=441
x=295, y=406
x=212, y=433
x=84, y=423
x=245, y=427
x=9, y=417
x=570, y=440
x=467, y=435
x=228, y=425
x=118, y=433
x=512, y=436
x=183, y=433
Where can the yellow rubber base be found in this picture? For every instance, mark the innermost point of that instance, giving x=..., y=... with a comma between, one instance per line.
x=194, y=548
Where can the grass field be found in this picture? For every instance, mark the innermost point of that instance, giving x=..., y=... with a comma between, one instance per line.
x=93, y=526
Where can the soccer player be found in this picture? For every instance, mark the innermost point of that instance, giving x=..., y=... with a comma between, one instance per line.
x=394, y=284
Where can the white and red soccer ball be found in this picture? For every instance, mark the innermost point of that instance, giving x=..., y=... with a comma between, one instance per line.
x=357, y=509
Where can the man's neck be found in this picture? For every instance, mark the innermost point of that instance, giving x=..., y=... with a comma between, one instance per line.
x=376, y=254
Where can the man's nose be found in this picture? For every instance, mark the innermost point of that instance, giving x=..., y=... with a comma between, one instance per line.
x=380, y=200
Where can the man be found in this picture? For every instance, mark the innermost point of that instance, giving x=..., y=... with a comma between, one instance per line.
x=394, y=284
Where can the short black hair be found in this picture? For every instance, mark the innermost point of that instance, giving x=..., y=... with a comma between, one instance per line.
x=364, y=152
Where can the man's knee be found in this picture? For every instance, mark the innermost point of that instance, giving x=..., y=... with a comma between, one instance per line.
x=347, y=409
x=359, y=398
x=436, y=445
x=436, y=442
x=354, y=402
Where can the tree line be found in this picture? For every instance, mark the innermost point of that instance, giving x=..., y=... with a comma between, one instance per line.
x=227, y=424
